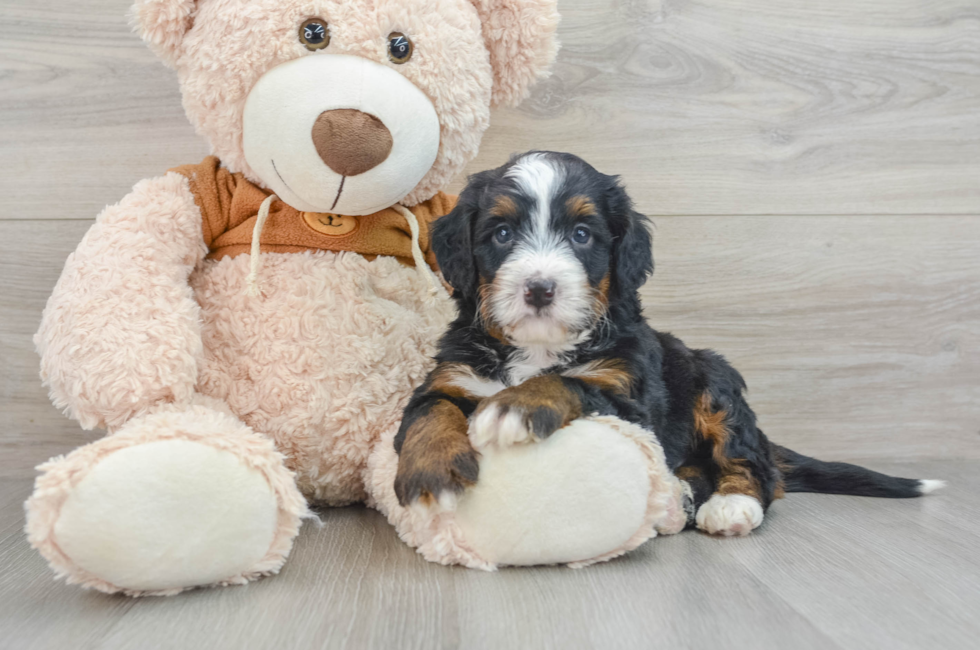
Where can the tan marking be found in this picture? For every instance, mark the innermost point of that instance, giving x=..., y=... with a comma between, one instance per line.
x=780, y=491
x=459, y=380
x=431, y=445
x=712, y=426
x=486, y=292
x=738, y=479
x=580, y=206
x=543, y=391
x=688, y=473
x=608, y=374
x=504, y=206
x=600, y=298
x=444, y=380
x=734, y=476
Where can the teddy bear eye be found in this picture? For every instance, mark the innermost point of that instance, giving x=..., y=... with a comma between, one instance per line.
x=314, y=34
x=400, y=48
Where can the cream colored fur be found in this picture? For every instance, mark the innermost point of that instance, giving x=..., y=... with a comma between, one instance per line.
x=204, y=423
x=227, y=411
x=468, y=57
x=591, y=492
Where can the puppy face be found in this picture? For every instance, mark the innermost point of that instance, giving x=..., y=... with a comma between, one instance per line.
x=540, y=246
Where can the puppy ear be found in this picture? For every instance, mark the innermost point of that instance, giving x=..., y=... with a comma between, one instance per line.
x=520, y=36
x=452, y=239
x=162, y=25
x=633, y=247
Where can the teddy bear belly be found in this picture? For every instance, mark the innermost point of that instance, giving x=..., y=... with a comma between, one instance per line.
x=324, y=360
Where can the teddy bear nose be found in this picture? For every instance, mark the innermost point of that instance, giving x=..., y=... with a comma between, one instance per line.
x=351, y=142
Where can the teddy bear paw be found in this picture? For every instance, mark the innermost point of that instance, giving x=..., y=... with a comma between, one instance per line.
x=159, y=507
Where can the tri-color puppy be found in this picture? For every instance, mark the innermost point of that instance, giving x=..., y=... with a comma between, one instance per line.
x=545, y=256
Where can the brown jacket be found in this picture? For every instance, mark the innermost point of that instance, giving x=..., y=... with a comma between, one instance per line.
x=230, y=204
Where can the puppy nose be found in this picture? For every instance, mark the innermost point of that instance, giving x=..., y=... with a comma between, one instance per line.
x=539, y=293
x=351, y=142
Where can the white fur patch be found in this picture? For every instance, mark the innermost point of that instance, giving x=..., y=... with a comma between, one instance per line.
x=730, y=515
x=475, y=385
x=534, y=358
x=493, y=427
x=538, y=179
x=424, y=510
x=928, y=486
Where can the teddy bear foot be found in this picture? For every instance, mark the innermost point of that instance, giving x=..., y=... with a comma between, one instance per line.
x=592, y=491
x=174, y=500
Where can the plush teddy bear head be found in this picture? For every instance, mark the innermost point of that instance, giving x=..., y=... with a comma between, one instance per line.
x=349, y=106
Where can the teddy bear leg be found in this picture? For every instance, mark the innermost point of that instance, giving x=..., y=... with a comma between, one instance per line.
x=173, y=500
x=592, y=491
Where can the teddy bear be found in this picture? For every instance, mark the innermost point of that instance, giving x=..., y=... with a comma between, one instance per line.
x=249, y=328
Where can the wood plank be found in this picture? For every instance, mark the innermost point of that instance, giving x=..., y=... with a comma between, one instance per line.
x=705, y=107
x=36, y=612
x=858, y=336
x=31, y=257
x=660, y=596
x=849, y=577
x=753, y=107
x=349, y=584
x=822, y=572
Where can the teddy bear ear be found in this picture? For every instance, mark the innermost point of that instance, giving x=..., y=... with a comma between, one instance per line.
x=520, y=35
x=162, y=24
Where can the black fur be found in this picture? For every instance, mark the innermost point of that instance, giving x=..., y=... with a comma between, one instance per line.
x=669, y=380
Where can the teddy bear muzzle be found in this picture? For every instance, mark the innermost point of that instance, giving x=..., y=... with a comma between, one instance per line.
x=339, y=133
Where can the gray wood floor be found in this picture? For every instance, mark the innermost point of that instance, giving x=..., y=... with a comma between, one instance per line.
x=814, y=173
x=822, y=572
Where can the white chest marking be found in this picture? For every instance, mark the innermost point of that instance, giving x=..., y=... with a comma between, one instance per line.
x=476, y=385
x=532, y=360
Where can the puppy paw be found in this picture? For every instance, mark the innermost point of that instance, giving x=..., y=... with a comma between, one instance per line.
x=499, y=424
x=432, y=481
x=729, y=515
x=517, y=415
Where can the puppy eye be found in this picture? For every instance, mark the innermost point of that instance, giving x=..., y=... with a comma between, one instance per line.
x=503, y=234
x=581, y=235
x=400, y=48
x=314, y=34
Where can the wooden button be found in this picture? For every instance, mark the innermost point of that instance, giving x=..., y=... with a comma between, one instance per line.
x=335, y=225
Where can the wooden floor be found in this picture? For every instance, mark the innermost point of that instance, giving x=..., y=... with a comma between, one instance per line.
x=822, y=572
x=813, y=169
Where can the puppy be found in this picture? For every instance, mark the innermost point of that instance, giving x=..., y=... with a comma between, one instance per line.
x=545, y=256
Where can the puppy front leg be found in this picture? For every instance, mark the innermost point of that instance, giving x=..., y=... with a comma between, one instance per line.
x=436, y=461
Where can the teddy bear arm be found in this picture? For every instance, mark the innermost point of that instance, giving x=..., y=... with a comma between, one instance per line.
x=121, y=330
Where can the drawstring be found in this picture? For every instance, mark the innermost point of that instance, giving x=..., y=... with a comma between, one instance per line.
x=253, y=275
x=255, y=263
x=420, y=263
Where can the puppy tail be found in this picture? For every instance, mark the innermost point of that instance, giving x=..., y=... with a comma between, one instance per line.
x=804, y=474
